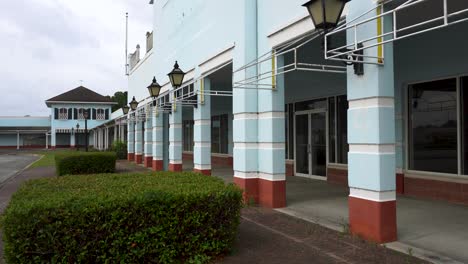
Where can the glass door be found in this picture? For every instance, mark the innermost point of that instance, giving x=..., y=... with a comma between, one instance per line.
x=311, y=144
x=302, y=155
x=318, y=143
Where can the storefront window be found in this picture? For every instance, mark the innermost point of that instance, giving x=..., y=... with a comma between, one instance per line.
x=289, y=130
x=188, y=135
x=464, y=116
x=219, y=134
x=433, y=126
x=331, y=130
x=342, y=129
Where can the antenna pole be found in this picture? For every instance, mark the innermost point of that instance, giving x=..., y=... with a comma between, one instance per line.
x=126, y=43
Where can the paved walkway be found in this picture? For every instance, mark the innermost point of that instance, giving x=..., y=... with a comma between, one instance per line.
x=11, y=163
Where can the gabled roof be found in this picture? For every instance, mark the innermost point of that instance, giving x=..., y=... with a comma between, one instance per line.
x=80, y=94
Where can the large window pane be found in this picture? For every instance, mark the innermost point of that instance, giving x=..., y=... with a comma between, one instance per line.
x=291, y=131
x=464, y=116
x=342, y=129
x=331, y=130
x=433, y=126
x=219, y=134
x=188, y=135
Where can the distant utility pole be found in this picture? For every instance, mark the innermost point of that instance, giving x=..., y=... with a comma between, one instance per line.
x=126, y=44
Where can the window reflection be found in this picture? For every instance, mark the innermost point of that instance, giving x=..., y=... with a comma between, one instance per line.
x=433, y=126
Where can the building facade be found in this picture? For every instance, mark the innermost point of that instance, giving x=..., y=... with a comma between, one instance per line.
x=265, y=94
x=64, y=128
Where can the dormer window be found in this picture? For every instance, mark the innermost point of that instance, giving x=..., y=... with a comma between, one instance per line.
x=63, y=114
x=100, y=114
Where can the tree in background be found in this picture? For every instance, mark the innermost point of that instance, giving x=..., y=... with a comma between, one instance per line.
x=120, y=98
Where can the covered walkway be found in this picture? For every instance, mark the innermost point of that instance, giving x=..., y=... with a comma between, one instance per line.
x=435, y=230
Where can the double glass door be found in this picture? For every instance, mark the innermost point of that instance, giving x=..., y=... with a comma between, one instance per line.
x=311, y=143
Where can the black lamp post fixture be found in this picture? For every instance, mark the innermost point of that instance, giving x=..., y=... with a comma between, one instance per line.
x=76, y=136
x=176, y=76
x=125, y=109
x=86, y=115
x=133, y=104
x=154, y=88
x=325, y=15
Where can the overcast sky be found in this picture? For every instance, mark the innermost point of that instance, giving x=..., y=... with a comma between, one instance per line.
x=48, y=46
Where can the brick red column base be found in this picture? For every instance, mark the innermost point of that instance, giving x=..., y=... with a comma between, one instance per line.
x=272, y=194
x=148, y=162
x=175, y=167
x=158, y=165
x=375, y=221
x=250, y=187
x=130, y=156
x=204, y=172
x=53, y=148
x=400, y=183
x=138, y=159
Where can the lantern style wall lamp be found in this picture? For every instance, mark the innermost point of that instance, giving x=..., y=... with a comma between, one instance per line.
x=133, y=104
x=325, y=15
x=176, y=76
x=125, y=109
x=154, y=89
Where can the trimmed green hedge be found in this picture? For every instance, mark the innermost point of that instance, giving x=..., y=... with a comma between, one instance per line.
x=85, y=163
x=127, y=218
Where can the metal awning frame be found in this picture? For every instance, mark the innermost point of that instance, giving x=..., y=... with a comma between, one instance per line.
x=255, y=82
x=342, y=53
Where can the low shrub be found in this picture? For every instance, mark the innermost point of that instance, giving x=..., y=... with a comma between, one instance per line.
x=127, y=218
x=120, y=148
x=71, y=163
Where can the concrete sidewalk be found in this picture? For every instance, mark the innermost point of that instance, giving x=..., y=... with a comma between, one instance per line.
x=436, y=230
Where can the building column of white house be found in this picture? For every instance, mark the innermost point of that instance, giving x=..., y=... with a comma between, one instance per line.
x=18, y=140
x=158, y=143
x=108, y=139
x=130, y=140
x=72, y=140
x=53, y=139
x=271, y=143
x=148, y=141
x=371, y=138
x=139, y=141
x=47, y=140
x=175, y=138
x=202, y=130
x=245, y=108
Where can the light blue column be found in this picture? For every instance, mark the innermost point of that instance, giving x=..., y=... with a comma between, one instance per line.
x=158, y=143
x=175, y=138
x=371, y=137
x=53, y=139
x=130, y=139
x=202, y=130
x=272, y=168
x=149, y=136
x=245, y=104
x=72, y=140
x=139, y=141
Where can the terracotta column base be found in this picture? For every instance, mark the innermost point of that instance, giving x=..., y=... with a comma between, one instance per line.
x=372, y=220
x=175, y=167
x=138, y=158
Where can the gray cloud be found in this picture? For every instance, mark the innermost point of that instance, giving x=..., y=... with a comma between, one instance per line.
x=49, y=45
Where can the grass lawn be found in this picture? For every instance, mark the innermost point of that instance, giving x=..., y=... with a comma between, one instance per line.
x=48, y=158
